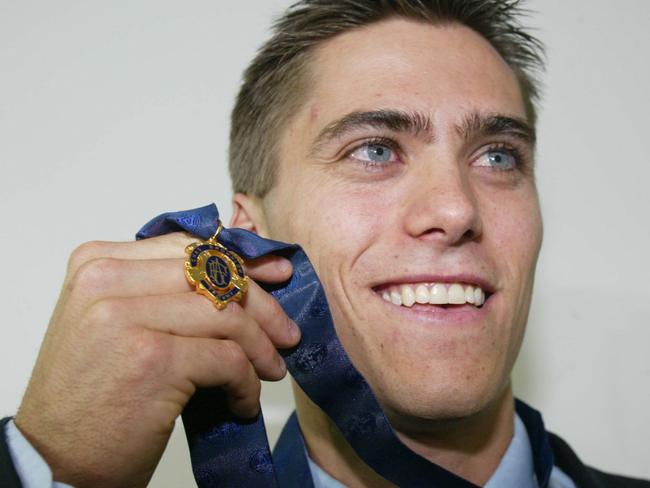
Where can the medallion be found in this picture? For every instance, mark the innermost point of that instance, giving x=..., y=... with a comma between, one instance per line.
x=216, y=271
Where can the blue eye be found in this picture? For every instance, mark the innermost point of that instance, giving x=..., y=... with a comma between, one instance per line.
x=502, y=159
x=374, y=153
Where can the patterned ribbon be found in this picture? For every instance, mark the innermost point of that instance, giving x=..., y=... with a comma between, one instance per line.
x=231, y=452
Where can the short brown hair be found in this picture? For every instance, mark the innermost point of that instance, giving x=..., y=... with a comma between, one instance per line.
x=275, y=82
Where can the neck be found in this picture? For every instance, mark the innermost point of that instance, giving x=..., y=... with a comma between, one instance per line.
x=470, y=447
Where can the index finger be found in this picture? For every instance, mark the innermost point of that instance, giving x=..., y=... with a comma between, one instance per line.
x=169, y=246
x=271, y=269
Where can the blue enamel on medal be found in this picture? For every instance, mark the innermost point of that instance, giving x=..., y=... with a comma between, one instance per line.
x=216, y=271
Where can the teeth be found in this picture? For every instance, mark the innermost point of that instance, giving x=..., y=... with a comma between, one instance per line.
x=408, y=297
x=422, y=294
x=456, y=294
x=469, y=294
x=437, y=294
x=479, y=297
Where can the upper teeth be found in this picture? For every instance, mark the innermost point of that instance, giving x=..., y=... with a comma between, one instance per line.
x=435, y=294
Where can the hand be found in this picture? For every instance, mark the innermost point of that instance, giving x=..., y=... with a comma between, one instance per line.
x=128, y=344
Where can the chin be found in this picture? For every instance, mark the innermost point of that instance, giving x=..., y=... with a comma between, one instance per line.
x=440, y=394
x=445, y=402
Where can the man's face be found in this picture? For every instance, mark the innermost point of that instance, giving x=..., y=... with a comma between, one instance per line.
x=411, y=164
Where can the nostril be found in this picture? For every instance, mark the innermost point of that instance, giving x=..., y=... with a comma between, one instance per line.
x=435, y=231
x=469, y=235
x=450, y=236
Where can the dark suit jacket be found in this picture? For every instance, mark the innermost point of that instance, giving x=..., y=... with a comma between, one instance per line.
x=583, y=476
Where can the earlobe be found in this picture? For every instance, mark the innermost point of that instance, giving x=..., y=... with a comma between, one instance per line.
x=247, y=214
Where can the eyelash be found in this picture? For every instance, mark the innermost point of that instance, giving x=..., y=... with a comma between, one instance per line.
x=383, y=141
x=518, y=155
x=515, y=152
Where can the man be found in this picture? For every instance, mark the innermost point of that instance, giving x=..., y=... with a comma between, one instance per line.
x=394, y=142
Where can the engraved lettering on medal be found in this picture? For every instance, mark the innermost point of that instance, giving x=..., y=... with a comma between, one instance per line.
x=218, y=271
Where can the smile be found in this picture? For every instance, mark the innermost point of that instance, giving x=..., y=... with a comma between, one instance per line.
x=407, y=295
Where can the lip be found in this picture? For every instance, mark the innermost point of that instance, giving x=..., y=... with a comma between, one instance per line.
x=465, y=278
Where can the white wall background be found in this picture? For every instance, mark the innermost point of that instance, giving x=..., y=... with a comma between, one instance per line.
x=111, y=112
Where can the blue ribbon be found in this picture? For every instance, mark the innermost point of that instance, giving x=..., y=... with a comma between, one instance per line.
x=228, y=451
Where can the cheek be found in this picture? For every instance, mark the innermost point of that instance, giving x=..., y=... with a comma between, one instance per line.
x=514, y=232
x=336, y=227
x=336, y=223
x=513, y=228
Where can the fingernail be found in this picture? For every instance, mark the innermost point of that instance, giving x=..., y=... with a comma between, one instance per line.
x=294, y=330
x=282, y=365
x=285, y=266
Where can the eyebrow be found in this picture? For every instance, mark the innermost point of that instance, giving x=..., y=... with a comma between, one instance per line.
x=478, y=125
x=417, y=124
x=413, y=123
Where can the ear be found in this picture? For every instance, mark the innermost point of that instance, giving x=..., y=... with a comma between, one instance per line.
x=247, y=213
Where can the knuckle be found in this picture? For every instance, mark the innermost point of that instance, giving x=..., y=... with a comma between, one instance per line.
x=276, y=312
x=228, y=323
x=83, y=253
x=234, y=355
x=181, y=238
x=278, y=317
x=172, y=241
x=256, y=390
x=233, y=311
x=285, y=321
x=244, y=398
x=95, y=274
x=148, y=353
x=231, y=319
x=107, y=312
x=264, y=351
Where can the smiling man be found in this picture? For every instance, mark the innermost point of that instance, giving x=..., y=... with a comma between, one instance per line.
x=420, y=170
x=394, y=141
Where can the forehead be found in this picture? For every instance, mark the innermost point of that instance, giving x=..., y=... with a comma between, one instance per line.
x=444, y=71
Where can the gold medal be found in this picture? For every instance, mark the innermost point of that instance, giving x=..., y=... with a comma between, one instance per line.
x=216, y=271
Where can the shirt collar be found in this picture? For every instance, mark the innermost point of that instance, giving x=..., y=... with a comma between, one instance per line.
x=516, y=469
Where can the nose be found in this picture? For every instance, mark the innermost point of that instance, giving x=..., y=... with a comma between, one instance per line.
x=442, y=206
